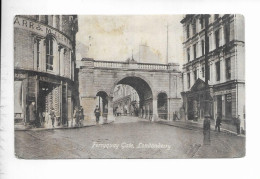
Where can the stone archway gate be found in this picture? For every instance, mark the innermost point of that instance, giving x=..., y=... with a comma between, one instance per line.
x=95, y=76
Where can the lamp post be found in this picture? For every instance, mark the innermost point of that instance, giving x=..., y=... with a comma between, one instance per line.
x=207, y=95
x=206, y=122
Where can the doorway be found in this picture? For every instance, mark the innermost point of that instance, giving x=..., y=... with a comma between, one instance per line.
x=219, y=105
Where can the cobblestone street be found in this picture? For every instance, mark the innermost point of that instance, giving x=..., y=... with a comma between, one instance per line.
x=127, y=137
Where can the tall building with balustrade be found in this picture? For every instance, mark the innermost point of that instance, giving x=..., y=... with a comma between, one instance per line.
x=44, y=63
x=226, y=71
x=125, y=100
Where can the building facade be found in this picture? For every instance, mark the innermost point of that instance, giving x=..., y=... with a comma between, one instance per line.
x=125, y=100
x=226, y=61
x=44, y=63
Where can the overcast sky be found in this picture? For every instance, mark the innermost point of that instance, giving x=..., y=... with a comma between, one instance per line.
x=114, y=37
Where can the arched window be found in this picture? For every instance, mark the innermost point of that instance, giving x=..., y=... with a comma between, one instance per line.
x=194, y=28
x=49, y=53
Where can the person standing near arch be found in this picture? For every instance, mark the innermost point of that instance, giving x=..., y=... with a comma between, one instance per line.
x=97, y=114
x=32, y=114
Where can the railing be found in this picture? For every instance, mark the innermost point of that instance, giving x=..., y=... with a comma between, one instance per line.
x=109, y=64
x=153, y=66
x=144, y=66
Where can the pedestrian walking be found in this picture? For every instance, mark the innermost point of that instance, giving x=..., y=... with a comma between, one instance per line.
x=76, y=116
x=81, y=115
x=52, y=114
x=32, y=114
x=218, y=123
x=175, y=116
x=97, y=114
x=117, y=111
x=41, y=118
x=206, y=131
x=238, y=122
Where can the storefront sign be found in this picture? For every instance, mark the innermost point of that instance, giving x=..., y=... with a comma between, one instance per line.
x=41, y=29
x=229, y=98
x=50, y=80
x=20, y=75
x=224, y=92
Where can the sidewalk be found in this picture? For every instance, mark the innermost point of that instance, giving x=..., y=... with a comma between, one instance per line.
x=191, y=125
x=21, y=127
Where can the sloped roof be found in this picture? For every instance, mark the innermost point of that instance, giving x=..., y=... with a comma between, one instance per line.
x=199, y=85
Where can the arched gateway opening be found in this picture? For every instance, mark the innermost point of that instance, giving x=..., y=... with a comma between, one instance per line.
x=162, y=105
x=142, y=106
x=102, y=102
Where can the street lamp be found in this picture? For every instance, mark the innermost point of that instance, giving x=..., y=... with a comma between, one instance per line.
x=206, y=122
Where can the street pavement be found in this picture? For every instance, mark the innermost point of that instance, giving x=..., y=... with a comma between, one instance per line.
x=127, y=137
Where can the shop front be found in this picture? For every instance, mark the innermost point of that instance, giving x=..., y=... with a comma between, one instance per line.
x=195, y=99
x=47, y=92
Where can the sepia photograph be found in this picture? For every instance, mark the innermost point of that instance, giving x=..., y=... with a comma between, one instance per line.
x=129, y=86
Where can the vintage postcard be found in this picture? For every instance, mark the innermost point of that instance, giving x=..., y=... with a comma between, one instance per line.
x=129, y=86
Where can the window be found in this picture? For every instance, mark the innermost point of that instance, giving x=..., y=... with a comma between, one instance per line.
x=202, y=47
x=188, y=80
x=188, y=31
x=194, y=51
x=203, y=71
x=217, y=38
x=218, y=71
x=38, y=52
x=227, y=33
x=216, y=16
x=202, y=22
x=188, y=54
x=194, y=27
x=46, y=19
x=228, y=69
x=195, y=75
x=49, y=53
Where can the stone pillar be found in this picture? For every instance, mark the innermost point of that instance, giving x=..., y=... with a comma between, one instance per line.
x=89, y=104
x=35, y=40
x=185, y=81
x=61, y=61
x=155, y=112
x=191, y=78
x=222, y=36
x=223, y=105
x=169, y=111
x=55, y=58
x=43, y=55
x=110, y=115
x=213, y=72
x=215, y=107
x=222, y=70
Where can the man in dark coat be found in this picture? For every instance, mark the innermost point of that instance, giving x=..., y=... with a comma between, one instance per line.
x=218, y=123
x=32, y=114
x=52, y=114
x=97, y=114
x=81, y=115
x=206, y=130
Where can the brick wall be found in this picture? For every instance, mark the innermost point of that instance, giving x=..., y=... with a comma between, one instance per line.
x=23, y=49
